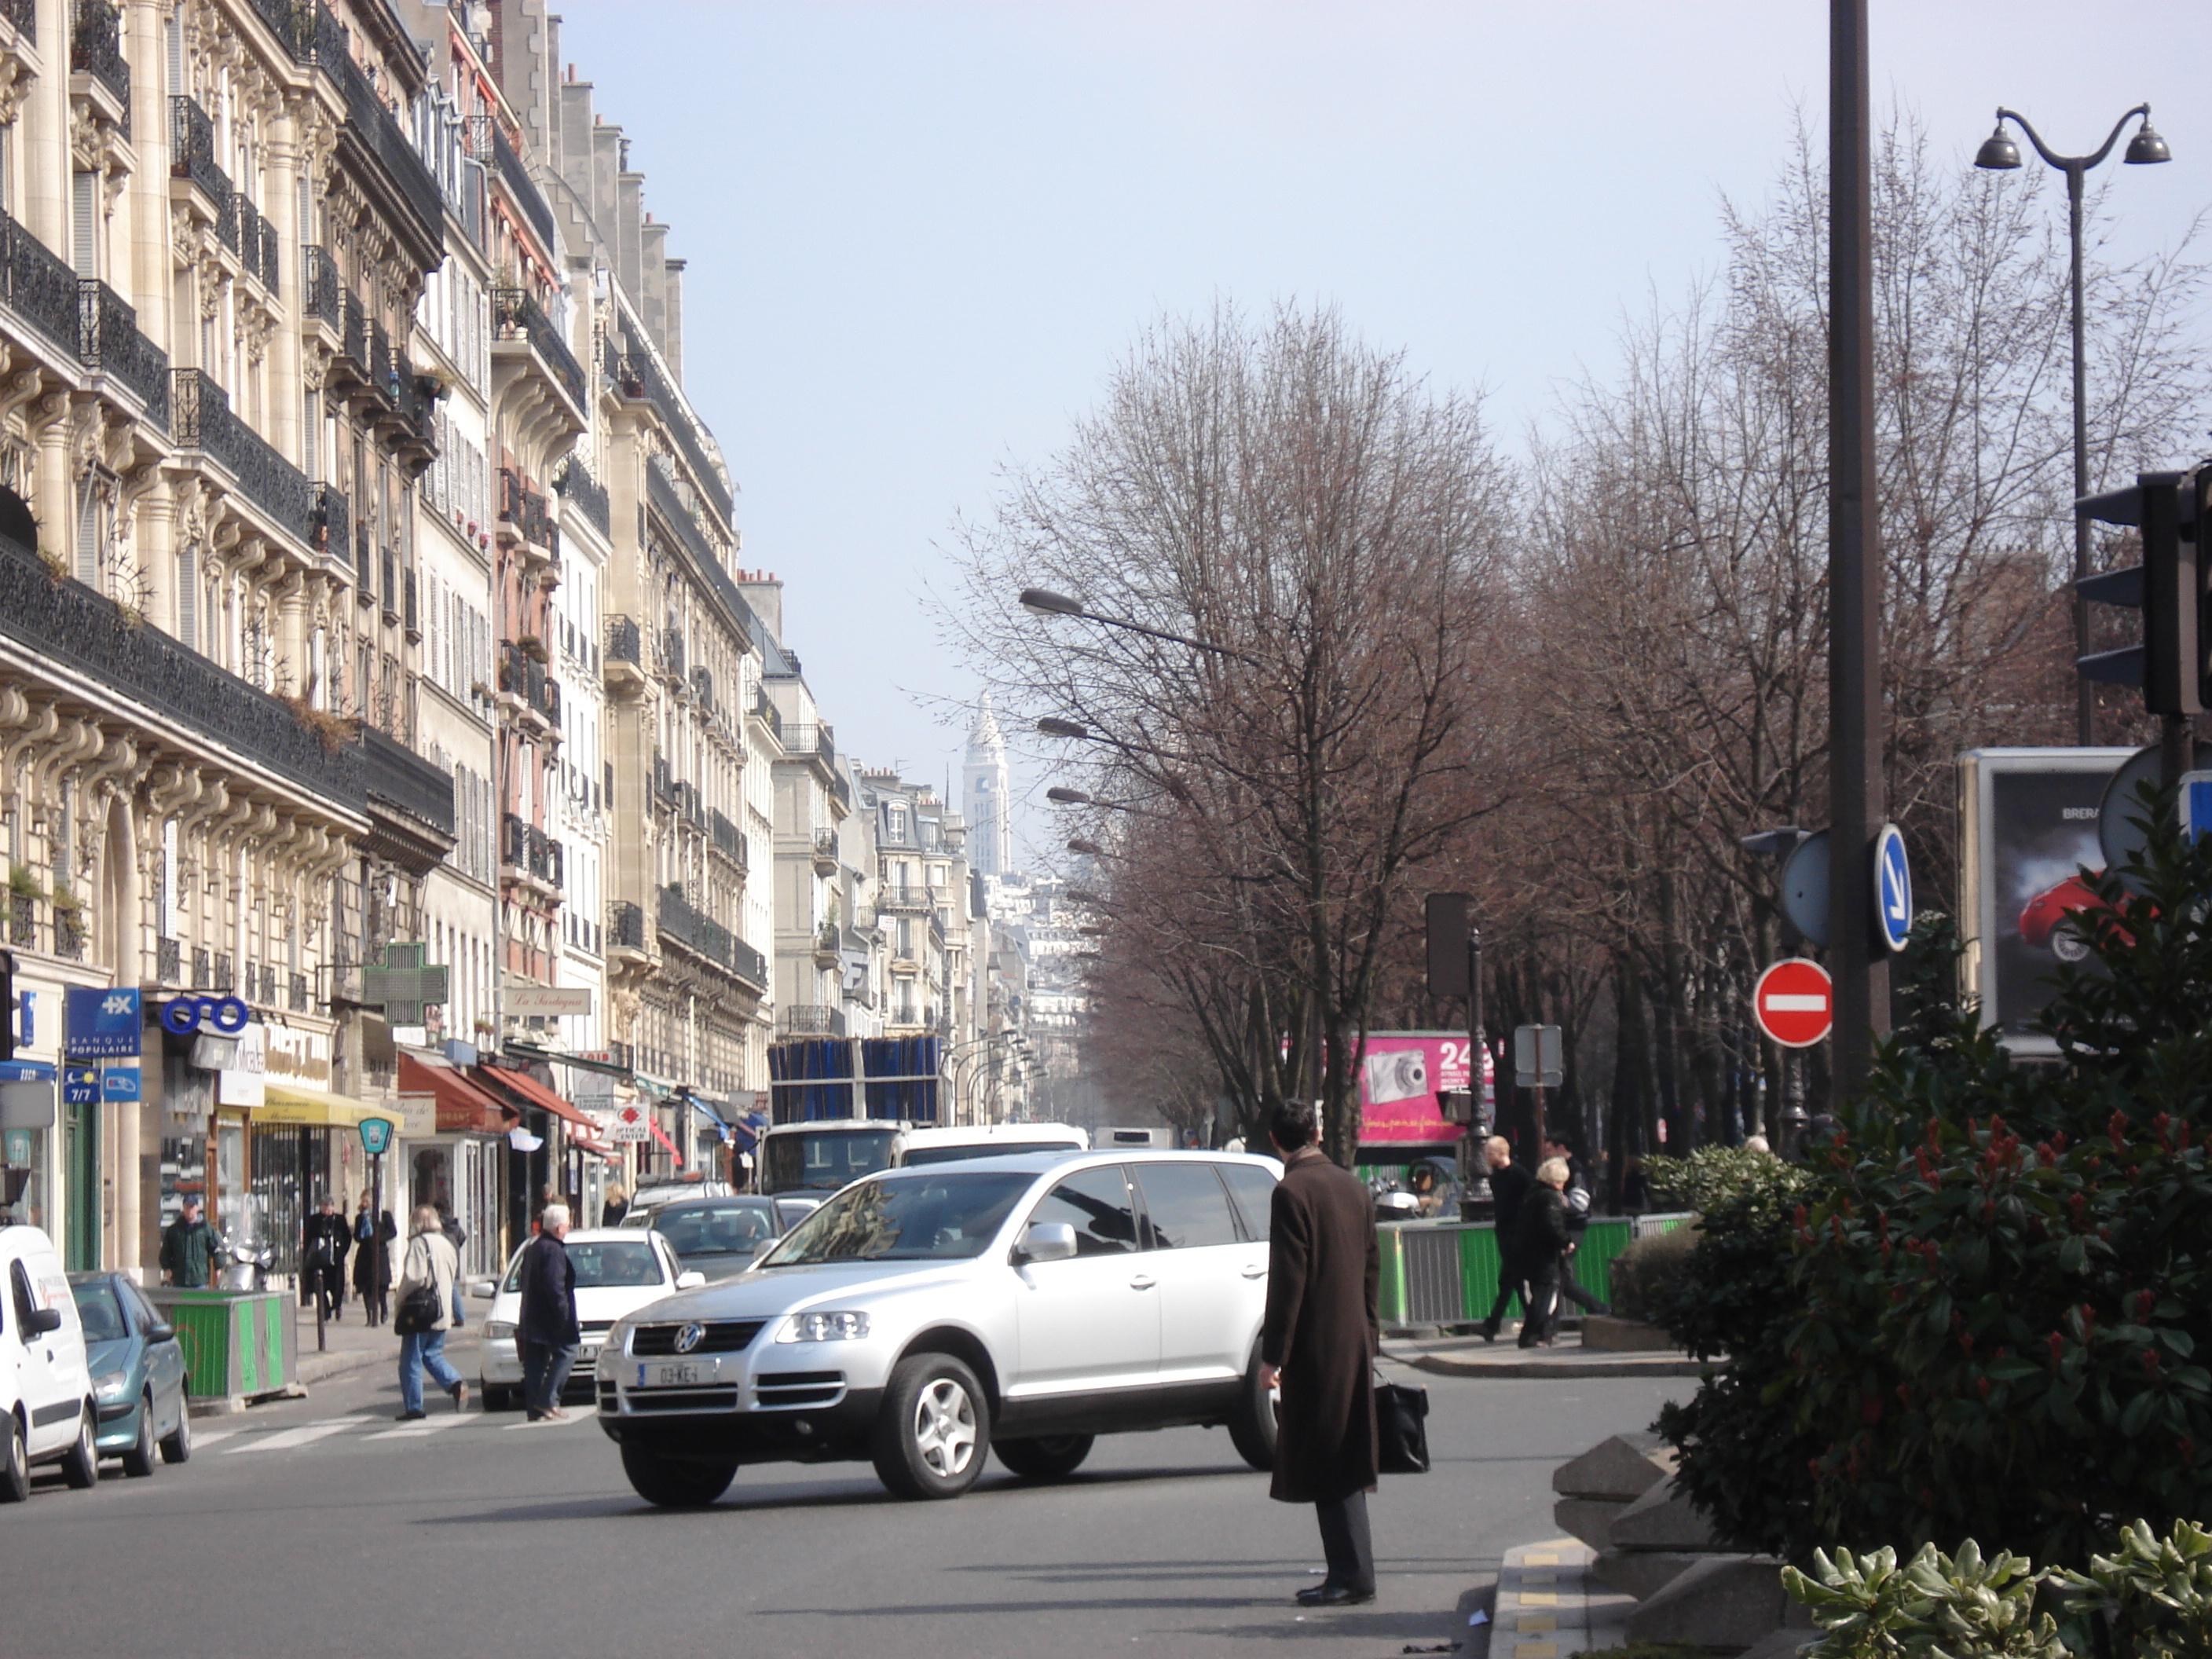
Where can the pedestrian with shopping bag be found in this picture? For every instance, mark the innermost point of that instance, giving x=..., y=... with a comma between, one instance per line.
x=1318, y=1346
x=424, y=1314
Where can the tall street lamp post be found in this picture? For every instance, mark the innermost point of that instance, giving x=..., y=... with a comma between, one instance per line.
x=2000, y=153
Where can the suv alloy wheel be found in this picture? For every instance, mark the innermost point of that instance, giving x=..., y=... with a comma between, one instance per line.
x=1252, y=1425
x=932, y=1433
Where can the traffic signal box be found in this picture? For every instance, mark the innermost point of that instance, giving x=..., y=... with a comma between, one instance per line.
x=2168, y=587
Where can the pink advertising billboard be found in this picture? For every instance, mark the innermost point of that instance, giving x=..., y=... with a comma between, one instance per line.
x=1400, y=1074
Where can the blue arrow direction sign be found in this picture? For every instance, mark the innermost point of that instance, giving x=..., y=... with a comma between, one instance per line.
x=79, y=1086
x=2195, y=805
x=1893, y=887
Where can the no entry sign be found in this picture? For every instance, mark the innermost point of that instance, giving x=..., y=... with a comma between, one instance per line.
x=1794, y=1003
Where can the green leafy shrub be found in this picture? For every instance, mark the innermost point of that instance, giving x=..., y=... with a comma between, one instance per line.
x=2154, y=1596
x=1709, y=1176
x=1982, y=1317
x=1931, y=1607
x=1649, y=1268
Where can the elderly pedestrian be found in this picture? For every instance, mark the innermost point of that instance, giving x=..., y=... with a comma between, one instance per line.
x=1542, y=1240
x=545, y=1327
x=430, y=1266
x=372, y=1233
x=1318, y=1346
x=322, y=1245
x=188, y=1248
x=1578, y=1197
x=1509, y=1187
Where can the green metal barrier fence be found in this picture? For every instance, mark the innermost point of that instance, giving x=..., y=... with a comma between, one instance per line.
x=1446, y=1272
x=237, y=1344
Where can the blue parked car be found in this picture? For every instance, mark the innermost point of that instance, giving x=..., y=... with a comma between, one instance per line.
x=137, y=1368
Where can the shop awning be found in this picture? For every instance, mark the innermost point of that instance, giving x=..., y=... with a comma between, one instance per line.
x=462, y=1107
x=527, y=1091
x=296, y=1106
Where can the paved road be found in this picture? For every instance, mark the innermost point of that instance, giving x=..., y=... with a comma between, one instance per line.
x=321, y=1527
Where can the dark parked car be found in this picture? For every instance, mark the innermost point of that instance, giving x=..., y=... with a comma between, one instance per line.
x=137, y=1369
x=718, y=1236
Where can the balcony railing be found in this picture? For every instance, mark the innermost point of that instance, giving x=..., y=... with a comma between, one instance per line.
x=816, y=739
x=372, y=124
x=637, y=376
x=625, y=641
x=192, y=150
x=320, y=295
x=355, y=333
x=625, y=927
x=333, y=521
x=68, y=622
x=42, y=286
x=527, y=511
x=526, y=846
x=519, y=185
x=708, y=938
x=728, y=840
x=525, y=676
x=766, y=712
x=586, y=494
x=516, y=316
x=23, y=16
x=396, y=774
x=900, y=896
x=201, y=418
x=810, y=1019
x=109, y=342
x=96, y=49
x=168, y=962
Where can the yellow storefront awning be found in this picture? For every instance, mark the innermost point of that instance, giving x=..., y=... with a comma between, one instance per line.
x=283, y=1105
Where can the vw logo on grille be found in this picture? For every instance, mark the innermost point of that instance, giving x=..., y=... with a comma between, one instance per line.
x=690, y=1337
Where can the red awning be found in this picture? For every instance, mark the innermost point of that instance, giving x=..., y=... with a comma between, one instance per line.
x=462, y=1107
x=529, y=1091
x=660, y=1135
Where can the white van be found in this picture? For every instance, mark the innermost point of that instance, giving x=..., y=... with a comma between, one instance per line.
x=46, y=1390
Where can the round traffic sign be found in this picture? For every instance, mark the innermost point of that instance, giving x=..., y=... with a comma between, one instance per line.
x=1795, y=1002
x=1893, y=887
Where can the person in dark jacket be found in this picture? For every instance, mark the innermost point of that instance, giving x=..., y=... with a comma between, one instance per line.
x=1580, y=1196
x=457, y=1236
x=1318, y=1346
x=188, y=1248
x=1542, y=1240
x=1509, y=1187
x=371, y=1260
x=545, y=1329
x=322, y=1245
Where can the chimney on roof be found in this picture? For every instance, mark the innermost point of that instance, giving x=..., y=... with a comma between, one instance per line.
x=765, y=594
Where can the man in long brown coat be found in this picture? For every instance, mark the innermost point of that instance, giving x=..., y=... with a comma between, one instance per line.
x=1319, y=1345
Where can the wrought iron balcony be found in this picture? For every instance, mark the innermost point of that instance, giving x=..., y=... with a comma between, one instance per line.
x=625, y=927
x=522, y=675
x=168, y=962
x=625, y=642
x=765, y=712
x=200, y=418
x=810, y=1019
x=707, y=938
x=516, y=316
x=525, y=847
x=22, y=16
x=109, y=342
x=516, y=178
x=68, y=622
x=378, y=135
x=900, y=896
x=356, y=334
x=397, y=775
x=638, y=378
x=41, y=287
x=320, y=295
x=729, y=842
x=814, y=740
x=192, y=151
x=586, y=494
x=526, y=512
x=96, y=49
x=333, y=523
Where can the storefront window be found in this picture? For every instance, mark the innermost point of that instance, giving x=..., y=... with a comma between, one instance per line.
x=184, y=1174
x=23, y=1199
x=233, y=1214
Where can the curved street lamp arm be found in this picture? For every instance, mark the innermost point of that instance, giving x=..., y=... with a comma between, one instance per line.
x=2070, y=163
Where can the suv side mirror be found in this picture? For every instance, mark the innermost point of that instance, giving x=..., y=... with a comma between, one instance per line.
x=689, y=1280
x=39, y=1321
x=1045, y=1240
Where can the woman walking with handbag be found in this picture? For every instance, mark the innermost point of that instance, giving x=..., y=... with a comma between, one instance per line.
x=425, y=1314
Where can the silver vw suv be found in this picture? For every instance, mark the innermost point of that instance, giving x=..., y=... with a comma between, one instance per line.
x=923, y=1318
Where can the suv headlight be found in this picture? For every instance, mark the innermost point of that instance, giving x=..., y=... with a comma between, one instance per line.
x=824, y=1327
x=499, y=1331
x=617, y=1337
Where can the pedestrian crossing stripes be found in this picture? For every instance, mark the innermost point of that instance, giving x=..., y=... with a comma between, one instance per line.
x=239, y=1442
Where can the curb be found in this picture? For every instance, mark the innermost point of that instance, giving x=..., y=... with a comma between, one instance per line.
x=1546, y=1606
x=1655, y=1364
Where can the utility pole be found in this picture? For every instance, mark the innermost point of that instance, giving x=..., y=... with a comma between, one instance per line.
x=1857, y=960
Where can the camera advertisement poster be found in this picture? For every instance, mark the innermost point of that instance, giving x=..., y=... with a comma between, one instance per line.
x=1401, y=1074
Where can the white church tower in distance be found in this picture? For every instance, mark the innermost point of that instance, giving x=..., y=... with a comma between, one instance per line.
x=983, y=792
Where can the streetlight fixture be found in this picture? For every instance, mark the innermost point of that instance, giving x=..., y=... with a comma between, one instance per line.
x=1090, y=849
x=1999, y=154
x=1046, y=602
x=1053, y=726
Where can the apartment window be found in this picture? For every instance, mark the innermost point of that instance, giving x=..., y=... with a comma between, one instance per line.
x=84, y=223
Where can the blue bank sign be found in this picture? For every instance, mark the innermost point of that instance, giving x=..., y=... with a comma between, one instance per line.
x=101, y=1024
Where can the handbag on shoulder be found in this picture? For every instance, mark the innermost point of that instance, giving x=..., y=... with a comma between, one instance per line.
x=1401, y=1410
x=417, y=1313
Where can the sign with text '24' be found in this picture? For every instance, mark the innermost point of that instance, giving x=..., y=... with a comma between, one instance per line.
x=100, y=1024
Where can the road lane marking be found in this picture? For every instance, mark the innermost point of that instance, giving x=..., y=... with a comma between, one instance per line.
x=286, y=1439
x=429, y=1426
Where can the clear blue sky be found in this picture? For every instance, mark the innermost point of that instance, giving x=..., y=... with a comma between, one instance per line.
x=918, y=234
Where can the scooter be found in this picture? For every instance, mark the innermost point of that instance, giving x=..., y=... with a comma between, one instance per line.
x=246, y=1264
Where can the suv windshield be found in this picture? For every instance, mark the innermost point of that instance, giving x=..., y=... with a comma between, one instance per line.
x=823, y=1161
x=944, y=1216
x=603, y=1261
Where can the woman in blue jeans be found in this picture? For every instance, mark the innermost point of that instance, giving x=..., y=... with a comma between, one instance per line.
x=431, y=1264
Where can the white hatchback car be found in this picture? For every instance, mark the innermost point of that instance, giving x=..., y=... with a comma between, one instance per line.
x=619, y=1270
x=922, y=1318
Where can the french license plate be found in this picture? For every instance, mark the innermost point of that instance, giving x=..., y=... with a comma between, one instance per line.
x=670, y=1377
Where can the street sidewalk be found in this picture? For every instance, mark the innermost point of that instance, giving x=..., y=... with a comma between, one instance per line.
x=353, y=1346
x=1470, y=1356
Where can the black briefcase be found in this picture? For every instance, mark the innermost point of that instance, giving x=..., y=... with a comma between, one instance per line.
x=1401, y=1411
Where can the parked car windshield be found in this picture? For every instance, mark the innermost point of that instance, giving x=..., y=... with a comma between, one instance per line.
x=101, y=1313
x=941, y=1216
x=602, y=1262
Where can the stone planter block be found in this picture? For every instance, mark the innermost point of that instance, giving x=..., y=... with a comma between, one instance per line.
x=1726, y=1604
x=1644, y=1573
x=1609, y=1335
x=1662, y=1519
x=1589, y=1519
x=1618, y=1468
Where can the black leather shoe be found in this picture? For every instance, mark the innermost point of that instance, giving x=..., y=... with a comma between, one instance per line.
x=1333, y=1595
